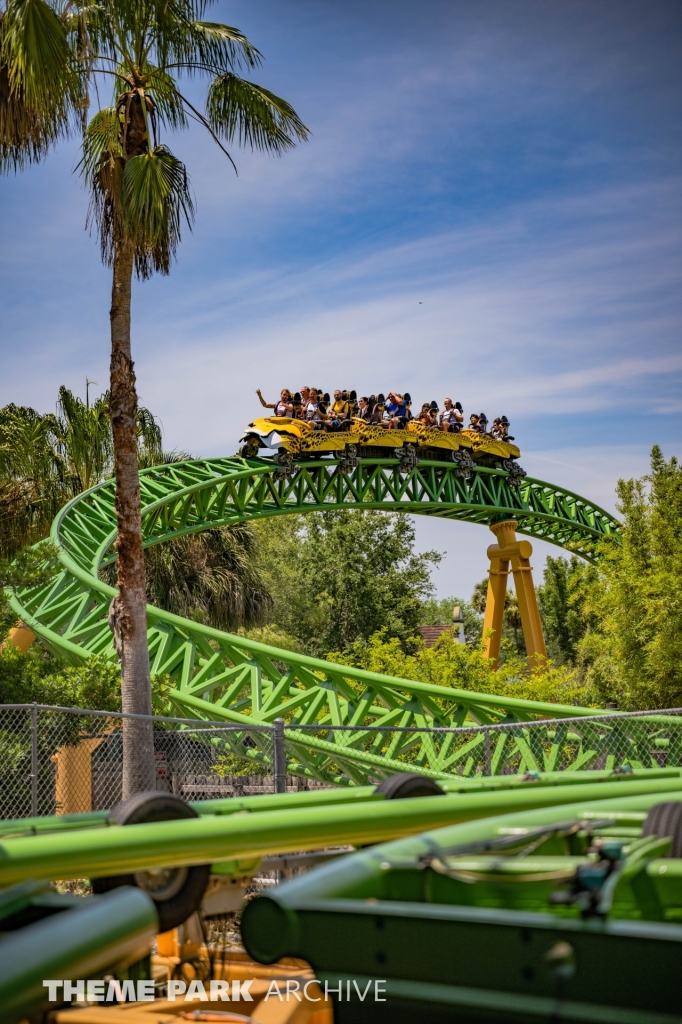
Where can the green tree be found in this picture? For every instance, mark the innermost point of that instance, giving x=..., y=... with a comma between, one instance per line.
x=633, y=651
x=339, y=576
x=295, y=611
x=561, y=599
x=35, y=676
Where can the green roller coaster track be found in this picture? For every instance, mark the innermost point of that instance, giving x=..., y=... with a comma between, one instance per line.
x=225, y=677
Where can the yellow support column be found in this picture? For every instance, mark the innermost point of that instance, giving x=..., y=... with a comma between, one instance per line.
x=528, y=607
x=494, y=607
x=509, y=549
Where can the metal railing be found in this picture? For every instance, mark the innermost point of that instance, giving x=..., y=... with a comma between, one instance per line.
x=65, y=760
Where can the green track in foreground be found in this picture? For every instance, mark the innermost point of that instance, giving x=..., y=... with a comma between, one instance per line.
x=560, y=913
x=225, y=677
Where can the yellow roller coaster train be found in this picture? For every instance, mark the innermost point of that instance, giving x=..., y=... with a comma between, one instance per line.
x=294, y=438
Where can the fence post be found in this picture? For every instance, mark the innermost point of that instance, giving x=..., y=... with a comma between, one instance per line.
x=34, y=761
x=486, y=746
x=279, y=757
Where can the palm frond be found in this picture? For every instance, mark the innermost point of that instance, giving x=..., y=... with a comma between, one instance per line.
x=212, y=576
x=142, y=200
x=89, y=29
x=219, y=46
x=100, y=142
x=140, y=195
x=149, y=439
x=40, y=88
x=35, y=47
x=102, y=168
x=168, y=104
x=253, y=115
x=155, y=199
x=26, y=133
x=31, y=484
x=84, y=442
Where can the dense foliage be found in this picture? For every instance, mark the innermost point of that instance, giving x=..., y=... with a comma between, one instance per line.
x=210, y=577
x=449, y=663
x=337, y=577
x=35, y=676
x=562, y=602
x=632, y=648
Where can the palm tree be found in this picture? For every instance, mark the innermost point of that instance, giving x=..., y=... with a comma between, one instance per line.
x=479, y=596
x=212, y=577
x=140, y=200
x=84, y=444
x=45, y=460
x=83, y=439
x=512, y=620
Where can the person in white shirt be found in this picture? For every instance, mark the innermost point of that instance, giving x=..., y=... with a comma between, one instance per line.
x=452, y=417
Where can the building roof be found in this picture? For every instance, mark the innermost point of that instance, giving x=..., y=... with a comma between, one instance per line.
x=430, y=634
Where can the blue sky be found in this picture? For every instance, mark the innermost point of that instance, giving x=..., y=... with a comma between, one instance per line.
x=488, y=207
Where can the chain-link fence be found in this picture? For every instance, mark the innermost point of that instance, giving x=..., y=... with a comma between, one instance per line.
x=64, y=761
x=621, y=741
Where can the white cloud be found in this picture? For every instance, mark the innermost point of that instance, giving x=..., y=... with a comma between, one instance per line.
x=503, y=315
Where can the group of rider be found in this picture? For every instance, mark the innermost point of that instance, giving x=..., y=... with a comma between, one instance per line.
x=392, y=411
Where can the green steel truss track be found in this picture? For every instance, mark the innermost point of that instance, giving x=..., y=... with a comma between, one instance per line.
x=221, y=676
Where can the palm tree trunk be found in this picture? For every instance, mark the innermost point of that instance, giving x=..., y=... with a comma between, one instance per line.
x=128, y=613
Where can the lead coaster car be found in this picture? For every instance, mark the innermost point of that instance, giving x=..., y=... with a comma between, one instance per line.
x=296, y=440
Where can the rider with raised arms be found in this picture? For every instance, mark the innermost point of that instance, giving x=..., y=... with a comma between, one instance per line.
x=285, y=406
x=395, y=411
